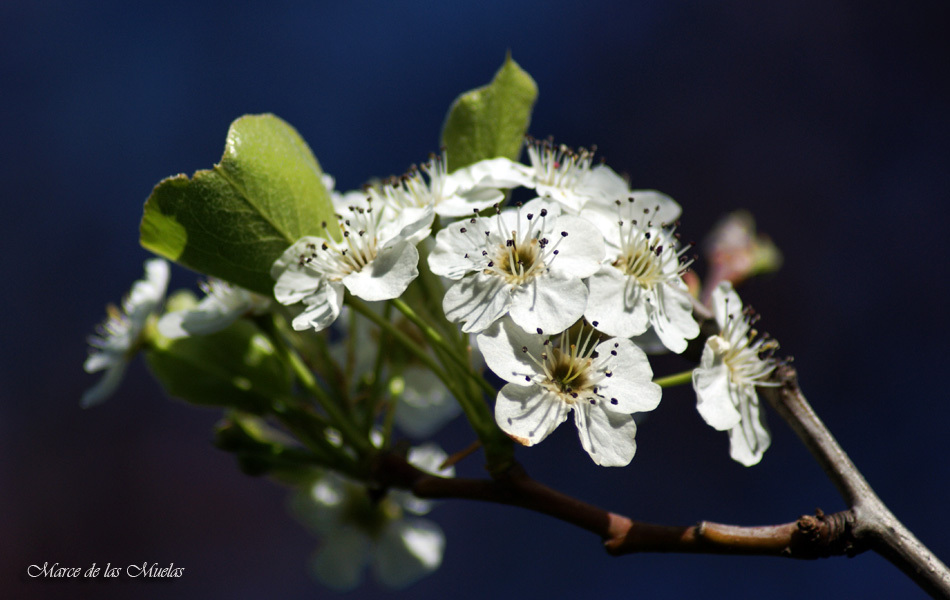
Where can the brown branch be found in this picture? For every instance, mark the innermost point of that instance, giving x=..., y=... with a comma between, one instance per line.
x=809, y=537
x=874, y=524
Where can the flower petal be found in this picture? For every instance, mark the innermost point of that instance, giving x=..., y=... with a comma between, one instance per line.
x=408, y=550
x=387, y=276
x=616, y=304
x=713, y=389
x=749, y=440
x=549, y=303
x=106, y=385
x=322, y=310
x=528, y=413
x=630, y=387
x=672, y=318
x=478, y=301
x=581, y=251
x=607, y=437
x=296, y=283
x=340, y=560
x=502, y=347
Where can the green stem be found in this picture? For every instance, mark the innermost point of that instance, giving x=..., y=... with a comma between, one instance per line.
x=400, y=337
x=477, y=411
x=305, y=376
x=438, y=341
x=673, y=380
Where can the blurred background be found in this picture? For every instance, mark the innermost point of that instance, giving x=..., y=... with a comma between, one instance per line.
x=827, y=119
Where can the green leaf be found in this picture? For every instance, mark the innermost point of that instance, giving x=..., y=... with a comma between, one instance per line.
x=234, y=220
x=490, y=121
x=237, y=367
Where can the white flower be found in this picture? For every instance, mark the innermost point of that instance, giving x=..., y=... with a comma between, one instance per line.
x=725, y=381
x=603, y=384
x=455, y=194
x=640, y=285
x=117, y=338
x=376, y=260
x=358, y=529
x=526, y=262
x=424, y=403
x=222, y=305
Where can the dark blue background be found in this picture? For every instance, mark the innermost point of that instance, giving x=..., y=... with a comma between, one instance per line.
x=827, y=119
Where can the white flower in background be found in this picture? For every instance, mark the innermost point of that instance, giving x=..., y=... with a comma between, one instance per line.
x=375, y=260
x=640, y=284
x=222, y=305
x=455, y=194
x=548, y=377
x=725, y=381
x=424, y=404
x=117, y=338
x=526, y=262
x=565, y=176
x=358, y=529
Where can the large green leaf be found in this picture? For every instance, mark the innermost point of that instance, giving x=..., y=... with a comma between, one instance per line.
x=490, y=121
x=237, y=367
x=234, y=220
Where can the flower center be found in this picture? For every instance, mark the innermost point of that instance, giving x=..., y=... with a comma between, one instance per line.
x=335, y=260
x=518, y=262
x=744, y=349
x=649, y=255
x=567, y=369
x=558, y=166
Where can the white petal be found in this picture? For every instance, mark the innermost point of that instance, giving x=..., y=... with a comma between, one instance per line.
x=292, y=254
x=669, y=209
x=528, y=413
x=408, y=550
x=726, y=302
x=456, y=252
x=616, y=303
x=296, y=283
x=322, y=310
x=478, y=300
x=429, y=458
x=604, y=182
x=340, y=560
x=713, y=393
x=387, y=276
x=607, y=437
x=411, y=224
x=98, y=361
x=630, y=387
x=749, y=440
x=672, y=318
x=581, y=251
x=425, y=404
x=502, y=347
x=496, y=173
x=549, y=303
x=106, y=386
x=465, y=204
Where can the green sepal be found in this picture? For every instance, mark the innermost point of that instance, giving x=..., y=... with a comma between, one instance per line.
x=236, y=368
x=490, y=121
x=235, y=219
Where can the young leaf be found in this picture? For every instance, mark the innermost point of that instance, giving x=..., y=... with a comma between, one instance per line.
x=234, y=220
x=237, y=368
x=490, y=121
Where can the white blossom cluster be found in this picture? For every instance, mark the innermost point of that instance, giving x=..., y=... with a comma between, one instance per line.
x=561, y=292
